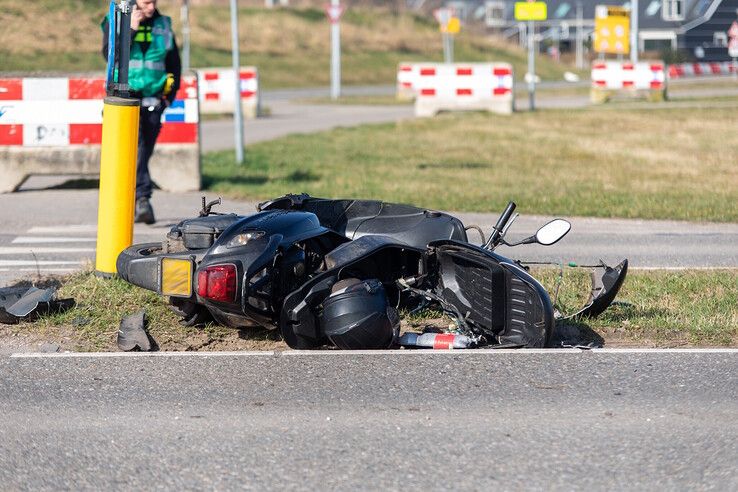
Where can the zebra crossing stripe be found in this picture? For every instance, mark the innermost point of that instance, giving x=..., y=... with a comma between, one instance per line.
x=18, y=250
x=22, y=263
x=42, y=240
x=65, y=229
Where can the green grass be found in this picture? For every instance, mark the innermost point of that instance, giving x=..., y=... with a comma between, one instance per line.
x=668, y=164
x=663, y=308
x=654, y=308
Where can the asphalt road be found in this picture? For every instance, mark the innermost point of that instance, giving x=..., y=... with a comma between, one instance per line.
x=524, y=420
x=291, y=118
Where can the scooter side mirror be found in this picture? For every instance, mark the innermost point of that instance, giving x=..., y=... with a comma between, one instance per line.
x=552, y=232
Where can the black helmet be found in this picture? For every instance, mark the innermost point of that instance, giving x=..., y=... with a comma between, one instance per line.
x=357, y=316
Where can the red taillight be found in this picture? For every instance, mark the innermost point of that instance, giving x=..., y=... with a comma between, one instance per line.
x=217, y=282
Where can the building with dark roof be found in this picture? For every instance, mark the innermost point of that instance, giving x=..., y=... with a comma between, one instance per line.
x=695, y=29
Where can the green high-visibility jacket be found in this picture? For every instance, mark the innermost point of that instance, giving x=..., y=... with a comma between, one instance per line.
x=146, y=69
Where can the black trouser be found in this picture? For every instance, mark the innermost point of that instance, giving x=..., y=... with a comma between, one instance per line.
x=149, y=125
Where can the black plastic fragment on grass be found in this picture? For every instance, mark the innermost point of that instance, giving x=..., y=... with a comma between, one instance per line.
x=19, y=304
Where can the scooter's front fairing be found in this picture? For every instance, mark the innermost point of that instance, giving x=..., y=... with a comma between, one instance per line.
x=494, y=293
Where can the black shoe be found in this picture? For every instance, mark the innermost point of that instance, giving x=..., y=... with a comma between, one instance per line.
x=144, y=212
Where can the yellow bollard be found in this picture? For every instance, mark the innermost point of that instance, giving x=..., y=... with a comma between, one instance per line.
x=117, y=181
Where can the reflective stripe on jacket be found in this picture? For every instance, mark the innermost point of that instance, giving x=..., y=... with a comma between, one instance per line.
x=146, y=70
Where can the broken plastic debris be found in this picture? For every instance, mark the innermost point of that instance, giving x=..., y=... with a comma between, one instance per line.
x=132, y=334
x=28, y=303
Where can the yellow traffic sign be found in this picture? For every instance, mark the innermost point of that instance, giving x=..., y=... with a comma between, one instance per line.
x=612, y=30
x=453, y=26
x=531, y=11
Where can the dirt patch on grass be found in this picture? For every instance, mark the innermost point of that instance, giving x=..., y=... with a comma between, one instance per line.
x=29, y=337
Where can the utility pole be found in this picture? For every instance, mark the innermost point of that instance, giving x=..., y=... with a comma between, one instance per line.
x=580, y=37
x=447, y=58
x=236, y=55
x=335, y=49
x=531, y=67
x=634, y=31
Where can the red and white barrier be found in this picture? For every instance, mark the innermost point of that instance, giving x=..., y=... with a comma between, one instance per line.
x=407, y=80
x=688, y=70
x=611, y=77
x=54, y=126
x=463, y=87
x=217, y=90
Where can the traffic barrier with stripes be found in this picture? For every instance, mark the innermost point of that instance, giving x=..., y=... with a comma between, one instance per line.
x=614, y=78
x=54, y=126
x=407, y=80
x=464, y=87
x=217, y=91
x=688, y=70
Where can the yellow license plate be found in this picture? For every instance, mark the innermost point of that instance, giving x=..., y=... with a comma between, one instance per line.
x=176, y=277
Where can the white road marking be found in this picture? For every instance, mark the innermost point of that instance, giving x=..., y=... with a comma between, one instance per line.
x=683, y=268
x=66, y=229
x=309, y=353
x=36, y=355
x=43, y=270
x=715, y=350
x=22, y=250
x=484, y=351
x=22, y=263
x=41, y=240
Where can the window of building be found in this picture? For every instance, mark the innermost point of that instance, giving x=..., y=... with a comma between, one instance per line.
x=672, y=10
x=720, y=38
x=562, y=10
x=653, y=7
x=703, y=6
x=495, y=13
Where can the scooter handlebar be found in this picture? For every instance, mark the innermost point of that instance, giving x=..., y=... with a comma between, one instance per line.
x=505, y=217
x=496, y=234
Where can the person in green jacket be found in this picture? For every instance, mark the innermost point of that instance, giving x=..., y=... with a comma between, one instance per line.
x=154, y=74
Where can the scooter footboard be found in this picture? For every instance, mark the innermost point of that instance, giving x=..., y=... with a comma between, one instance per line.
x=495, y=294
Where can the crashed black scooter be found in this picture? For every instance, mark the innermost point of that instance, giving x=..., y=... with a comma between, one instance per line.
x=335, y=272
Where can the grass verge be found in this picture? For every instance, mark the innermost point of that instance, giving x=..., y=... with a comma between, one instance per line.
x=662, y=308
x=655, y=308
x=92, y=325
x=675, y=163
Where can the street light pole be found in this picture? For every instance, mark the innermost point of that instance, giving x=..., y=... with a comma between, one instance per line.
x=335, y=53
x=237, y=113
x=531, y=67
x=634, y=31
x=580, y=40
